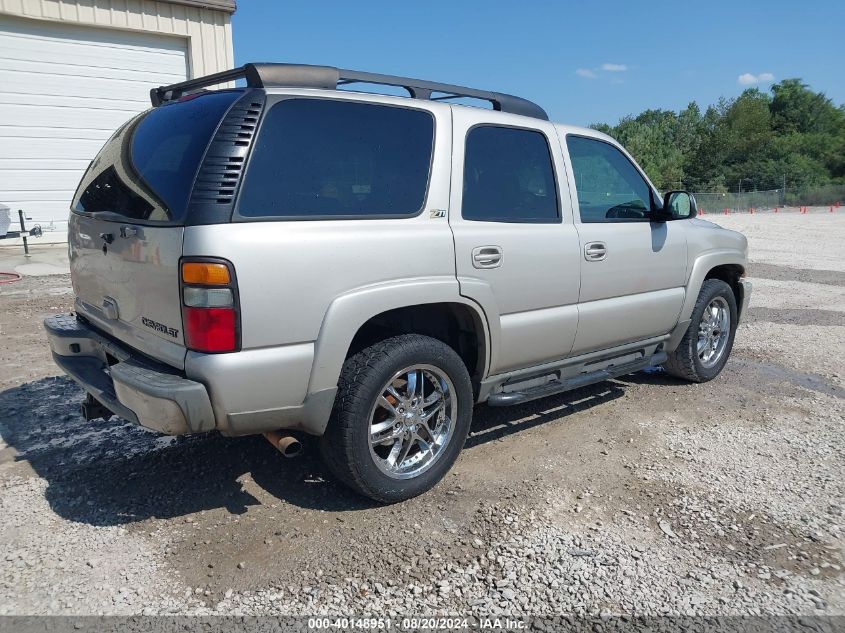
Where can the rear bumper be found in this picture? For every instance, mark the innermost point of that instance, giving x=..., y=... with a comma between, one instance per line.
x=134, y=388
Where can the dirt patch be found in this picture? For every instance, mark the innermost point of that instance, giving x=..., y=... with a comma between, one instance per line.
x=24, y=354
x=787, y=273
x=797, y=316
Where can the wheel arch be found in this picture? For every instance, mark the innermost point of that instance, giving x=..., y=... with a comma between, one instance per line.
x=431, y=308
x=728, y=265
x=730, y=274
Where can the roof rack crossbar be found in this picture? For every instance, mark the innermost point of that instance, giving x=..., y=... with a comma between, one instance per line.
x=308, y=76
x=163, y=94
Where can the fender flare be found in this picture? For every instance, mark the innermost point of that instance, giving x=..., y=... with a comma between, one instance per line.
x=704, y=264
x=350, y=311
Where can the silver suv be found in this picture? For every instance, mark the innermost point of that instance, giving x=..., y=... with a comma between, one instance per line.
x=295, y=256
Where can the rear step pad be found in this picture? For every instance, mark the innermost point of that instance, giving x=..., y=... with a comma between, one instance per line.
x=559, y=386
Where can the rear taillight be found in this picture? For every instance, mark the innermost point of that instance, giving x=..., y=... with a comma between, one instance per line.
x=210, y=306
x=211, y=329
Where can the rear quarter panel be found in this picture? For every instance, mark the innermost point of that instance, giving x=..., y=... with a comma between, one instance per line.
x=290, y=272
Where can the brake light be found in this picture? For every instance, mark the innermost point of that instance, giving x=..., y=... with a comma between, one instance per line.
x=209, y=306
x=210, y=329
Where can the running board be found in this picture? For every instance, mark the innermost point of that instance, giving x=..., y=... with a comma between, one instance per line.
x=503, y=399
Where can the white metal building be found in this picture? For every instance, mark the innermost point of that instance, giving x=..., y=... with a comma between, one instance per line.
x=72, y=71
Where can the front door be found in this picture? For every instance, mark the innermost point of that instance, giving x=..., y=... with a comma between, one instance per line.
x=633, y=270
x=516, y=248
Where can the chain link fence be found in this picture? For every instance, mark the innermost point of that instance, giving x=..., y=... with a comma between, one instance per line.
x=736, y=202
x=828, y=195
x=815, y=196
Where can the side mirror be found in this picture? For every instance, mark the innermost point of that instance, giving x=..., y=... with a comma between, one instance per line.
x=677, y=205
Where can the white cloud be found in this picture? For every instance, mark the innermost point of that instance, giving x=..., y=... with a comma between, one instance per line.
x=747, y=79
x=585, y=72
x=614, y=68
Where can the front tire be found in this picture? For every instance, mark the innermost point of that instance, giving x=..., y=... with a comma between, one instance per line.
x=401, y=416
x=708, y=342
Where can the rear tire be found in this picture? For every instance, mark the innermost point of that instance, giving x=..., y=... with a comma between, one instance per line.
x=708, y=342
x=401, y=416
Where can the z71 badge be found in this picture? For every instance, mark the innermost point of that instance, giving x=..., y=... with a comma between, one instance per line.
x=160, y=327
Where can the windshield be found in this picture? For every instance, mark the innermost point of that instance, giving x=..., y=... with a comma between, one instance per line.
x=146, y=170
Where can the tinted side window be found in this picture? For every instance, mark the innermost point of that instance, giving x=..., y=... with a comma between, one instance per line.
x=609, y=187
x=508, y=176
x=321, y=157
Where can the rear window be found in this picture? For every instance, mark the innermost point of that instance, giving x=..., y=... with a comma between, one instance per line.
x=146, y=170
x=327, y=158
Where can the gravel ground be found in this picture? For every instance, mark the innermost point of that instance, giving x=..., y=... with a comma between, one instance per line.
x=642, y=495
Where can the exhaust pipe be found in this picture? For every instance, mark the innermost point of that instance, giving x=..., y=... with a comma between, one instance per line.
x=287, y=445
x=92, y=409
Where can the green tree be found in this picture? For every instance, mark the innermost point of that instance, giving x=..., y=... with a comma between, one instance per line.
x=794, y=134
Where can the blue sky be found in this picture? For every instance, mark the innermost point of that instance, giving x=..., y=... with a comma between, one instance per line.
x=584, y=62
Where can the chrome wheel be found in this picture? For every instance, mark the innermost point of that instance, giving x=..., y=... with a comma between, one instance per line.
x=412, y=421
x=713, y=332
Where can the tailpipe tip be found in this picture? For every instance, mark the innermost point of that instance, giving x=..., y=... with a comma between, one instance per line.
x=287, y=445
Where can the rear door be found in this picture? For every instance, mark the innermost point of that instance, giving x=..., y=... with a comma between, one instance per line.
x=515, y=246
x=127, y=223
x=632, y=270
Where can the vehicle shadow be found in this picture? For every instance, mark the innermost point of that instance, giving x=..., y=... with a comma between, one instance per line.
x=114, y=473
x=493, y=423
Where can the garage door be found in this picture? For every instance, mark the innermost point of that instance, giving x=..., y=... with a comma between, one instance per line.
x=63, y=90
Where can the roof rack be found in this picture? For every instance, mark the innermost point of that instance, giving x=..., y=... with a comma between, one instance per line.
x=328, y=77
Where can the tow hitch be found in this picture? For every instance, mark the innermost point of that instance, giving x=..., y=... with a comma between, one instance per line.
x=5, y=220
x=92, y=409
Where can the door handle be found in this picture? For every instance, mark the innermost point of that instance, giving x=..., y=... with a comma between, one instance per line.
x=487, y=256
x=595, y=251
